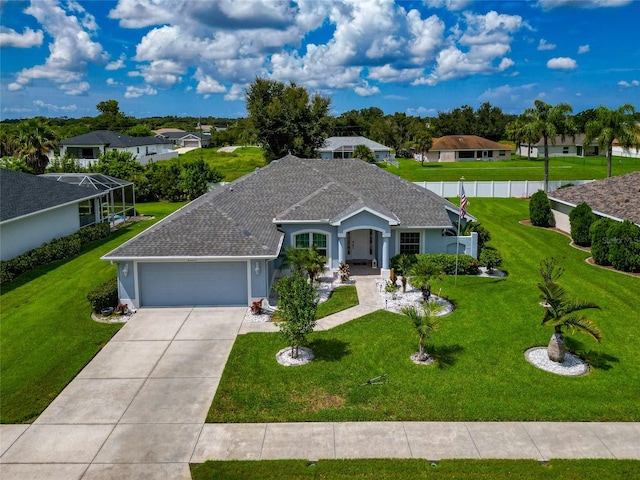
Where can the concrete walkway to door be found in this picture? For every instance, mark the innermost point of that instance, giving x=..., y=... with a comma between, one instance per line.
x=137, y=409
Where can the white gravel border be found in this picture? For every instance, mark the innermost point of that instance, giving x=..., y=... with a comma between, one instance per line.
x=395, y=302
x=305, y=355
x=572, y=366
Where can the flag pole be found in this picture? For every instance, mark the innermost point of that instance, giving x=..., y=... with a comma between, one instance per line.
x=460, y=217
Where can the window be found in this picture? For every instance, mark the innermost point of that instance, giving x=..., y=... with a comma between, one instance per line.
x=565, y=150
x=307, y=239
x=409, y=242
x=466, y=154
x=502, y=153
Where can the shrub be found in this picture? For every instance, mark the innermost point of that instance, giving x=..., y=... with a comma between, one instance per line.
x=490, y=258
x=94, y=232
x=624, y=246
x=581, y=218
x=467, y=265
x=599, y=232
x=104, y=296
x=540, y=210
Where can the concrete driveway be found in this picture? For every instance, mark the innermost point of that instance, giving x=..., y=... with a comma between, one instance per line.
x=137, y=409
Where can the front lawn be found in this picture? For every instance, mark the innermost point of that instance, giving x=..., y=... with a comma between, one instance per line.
x=46, y=332
x=566, y=168
x=480, y=374
x=418, y=469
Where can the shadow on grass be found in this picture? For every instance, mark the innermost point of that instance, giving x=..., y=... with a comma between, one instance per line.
x=599, y=360
x=445, y=356
x=329, y=350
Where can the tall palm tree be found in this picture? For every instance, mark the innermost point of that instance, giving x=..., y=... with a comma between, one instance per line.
x=609, y=125
x=547, y=121
x=423, y=144
x=561, y=312
x=425, y=323
x=35, y=139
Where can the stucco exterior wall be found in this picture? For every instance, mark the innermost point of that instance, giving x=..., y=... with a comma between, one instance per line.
x=22, y=235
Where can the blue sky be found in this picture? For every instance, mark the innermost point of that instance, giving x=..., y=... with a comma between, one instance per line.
x=192, y=57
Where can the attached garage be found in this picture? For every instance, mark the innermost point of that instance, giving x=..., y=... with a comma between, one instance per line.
x=173, y=284
x=192, y=143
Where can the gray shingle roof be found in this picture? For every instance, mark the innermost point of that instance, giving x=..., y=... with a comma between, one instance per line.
x=112, y=139
x=240, y=219
x=618, y=197
x=334, y=143
x=23, y=194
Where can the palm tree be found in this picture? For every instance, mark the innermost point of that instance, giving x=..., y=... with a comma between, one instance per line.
x=404, y=265
x=35, y=140
x=421, y=274
x=562, y=313
x=547, y=121
x=307, y=260
x=363, y=153
x=609, y=125
x=425, y=323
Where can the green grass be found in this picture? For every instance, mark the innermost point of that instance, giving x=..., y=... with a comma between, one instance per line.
x=46, y=332
x=341, y=298
x=232, y=165
x=566, y=168
x=480, y=373
x=418, y=469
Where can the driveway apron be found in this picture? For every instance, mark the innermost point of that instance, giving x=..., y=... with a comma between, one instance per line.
x=137, y=409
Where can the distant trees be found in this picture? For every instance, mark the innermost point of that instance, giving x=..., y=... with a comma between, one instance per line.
x=609, y=125
x=286, y=119
x=111, y=118
x=487, y=122
x=34, y=140
x=546, y=121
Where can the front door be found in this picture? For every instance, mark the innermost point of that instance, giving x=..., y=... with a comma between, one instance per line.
x=360, y=246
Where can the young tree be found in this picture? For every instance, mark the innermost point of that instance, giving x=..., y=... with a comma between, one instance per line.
x=547, y=121
x=196, y=176
x=297, y=304
x=560, y=312
x=423, y=144
x=425, y=324
x=364, y=153
x=286, y=119
x=610, y=125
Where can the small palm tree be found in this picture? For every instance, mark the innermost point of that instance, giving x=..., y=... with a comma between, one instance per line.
x=425, y=323
x=404, y=265
x=364, y=153
x=421, y=274
x=561, y=312
x=305, y=260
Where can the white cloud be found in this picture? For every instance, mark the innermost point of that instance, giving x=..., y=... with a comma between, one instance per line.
x=236, y=92
x=79, y=88
x=452, y=5
x=116, y=64
x=544, y=45
x=112, y=82
x=562, y=63
x=55, y=108
x=161, y=73
x=506, y=93
x=136, y=92
x=29, y=38
x=71, y=49
x=632, y=83
x=583, y=49
x=207, y=84
x=421, y=111
x=551, y=4
x=366, y=90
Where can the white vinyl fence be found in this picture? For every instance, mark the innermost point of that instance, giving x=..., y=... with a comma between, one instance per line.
x=494, y=188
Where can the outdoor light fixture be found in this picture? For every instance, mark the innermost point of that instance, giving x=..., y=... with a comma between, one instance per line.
x=125, y=269
x=257, y=269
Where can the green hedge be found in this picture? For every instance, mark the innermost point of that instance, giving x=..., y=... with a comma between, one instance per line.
x=57, y=249
x=624, y=246
x=104, y=296
x=540, y=210
x=581, y=218
x=467, y=265
x=600, y=241
x=490, y=258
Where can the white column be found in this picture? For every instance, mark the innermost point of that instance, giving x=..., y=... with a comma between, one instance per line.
x=385, y=252
x=341, y=254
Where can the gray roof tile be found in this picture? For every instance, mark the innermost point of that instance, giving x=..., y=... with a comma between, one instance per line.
x=238, y=219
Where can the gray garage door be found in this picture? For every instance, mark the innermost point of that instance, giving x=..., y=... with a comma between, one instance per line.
x=191, y=143
x=185, y=284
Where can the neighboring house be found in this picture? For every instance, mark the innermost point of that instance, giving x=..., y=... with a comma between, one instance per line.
x=187, y=139
x=342, y=147
x=88, y=147
x=569, y=146
x=35, y=210
x=460, y=148
x=226, y=247
x=618, y=151
x=617, y=198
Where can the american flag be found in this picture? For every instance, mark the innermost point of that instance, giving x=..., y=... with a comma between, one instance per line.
x=463, y=203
